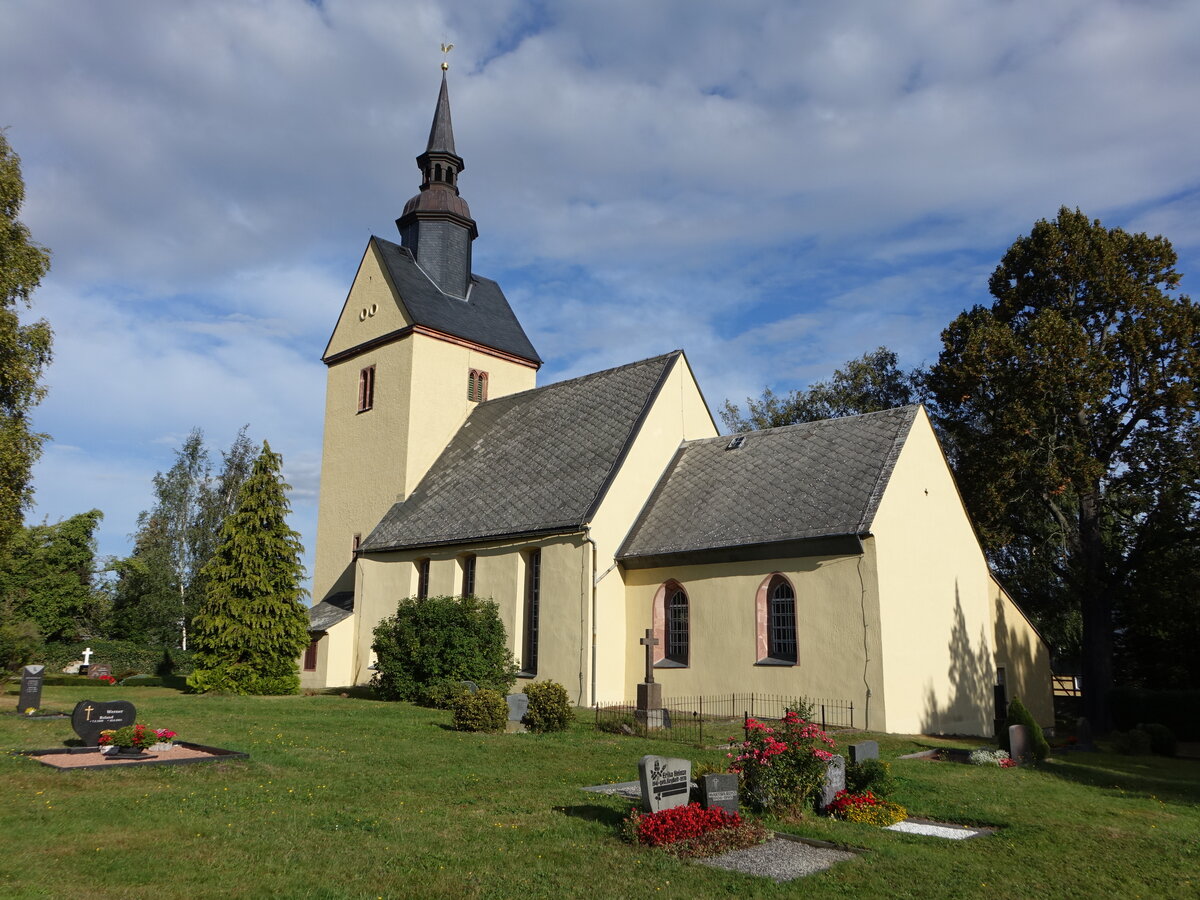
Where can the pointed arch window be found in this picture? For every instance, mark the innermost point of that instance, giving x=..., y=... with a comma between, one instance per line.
x=775, y=614
x=477, y=385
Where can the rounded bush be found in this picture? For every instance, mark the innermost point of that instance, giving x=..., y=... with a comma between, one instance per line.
x=1019, y=715
x=549, y=708
x=485, y=710
x=872, y=775
x=1162, y=738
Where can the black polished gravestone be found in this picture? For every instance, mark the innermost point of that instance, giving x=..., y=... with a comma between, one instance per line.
x=719, y=789
x=91, y=717
x=31, y=688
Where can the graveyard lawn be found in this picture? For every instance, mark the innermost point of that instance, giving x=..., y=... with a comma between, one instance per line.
x=420, y=810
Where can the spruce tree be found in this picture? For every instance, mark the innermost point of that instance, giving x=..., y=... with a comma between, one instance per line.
x=251, y=626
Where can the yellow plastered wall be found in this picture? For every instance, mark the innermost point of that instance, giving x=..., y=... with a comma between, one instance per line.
x=678, y=414
x=837, y=631
x=335, y=658
x=936, y=599
x=500, y=575
x=372, y=459
x=1024, y=656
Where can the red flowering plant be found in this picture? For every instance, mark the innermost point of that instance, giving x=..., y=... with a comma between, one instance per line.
x=107, y=679
x=692, y=831
x=139, y=736
x=782, y=767
x=866, y=808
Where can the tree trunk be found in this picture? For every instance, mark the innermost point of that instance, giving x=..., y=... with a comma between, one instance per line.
x=1097, y=610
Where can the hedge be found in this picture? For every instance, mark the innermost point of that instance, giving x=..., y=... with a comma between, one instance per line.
x=1179, y=710
x=120, y=656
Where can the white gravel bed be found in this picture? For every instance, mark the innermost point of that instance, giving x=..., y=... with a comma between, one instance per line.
x=951, y=832
x=779, y=859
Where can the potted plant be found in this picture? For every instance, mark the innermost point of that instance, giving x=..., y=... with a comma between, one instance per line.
x=134, y=740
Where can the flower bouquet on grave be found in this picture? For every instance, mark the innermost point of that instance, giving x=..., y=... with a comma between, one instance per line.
x=134, y=740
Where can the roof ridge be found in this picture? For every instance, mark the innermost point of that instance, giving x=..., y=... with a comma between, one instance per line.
x=580, y=378
x=795, y=426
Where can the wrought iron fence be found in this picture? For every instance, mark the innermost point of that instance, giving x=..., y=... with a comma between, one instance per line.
x=715, y=718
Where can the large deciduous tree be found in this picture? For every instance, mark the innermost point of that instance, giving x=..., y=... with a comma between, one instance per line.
x=161, y=583
x=24, y=347
x=871, y=383
x=251, y=626
x=1070, y=410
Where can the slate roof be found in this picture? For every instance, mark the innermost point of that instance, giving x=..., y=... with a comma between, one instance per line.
x=796, y=483
x=537, y=462
x=324, y=615
x=484, y=317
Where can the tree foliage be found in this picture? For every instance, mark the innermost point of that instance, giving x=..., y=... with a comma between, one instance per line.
x=1070, y=411
x=871, y=383
x=252, y=626
x=47, y=577
x=161, y=584
x=437, y=639
x=24, y=347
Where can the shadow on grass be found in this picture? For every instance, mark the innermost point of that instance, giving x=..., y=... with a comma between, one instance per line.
x=1148, y=775
x=594, y=812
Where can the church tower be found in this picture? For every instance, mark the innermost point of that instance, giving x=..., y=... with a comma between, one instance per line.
x=419, y=342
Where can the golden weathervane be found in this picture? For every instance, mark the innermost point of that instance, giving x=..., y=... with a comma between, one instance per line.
x=446, y=48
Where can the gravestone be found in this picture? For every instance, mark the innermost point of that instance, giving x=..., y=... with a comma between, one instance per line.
x=87, y=660
x=91, y=717
x=719, y=790
x=31, y=688
x=835, y=780
x=518, y=705
x=99, y=670
x=864, y=750
x=665, y=781
x=1018, y=743
x=472, y=687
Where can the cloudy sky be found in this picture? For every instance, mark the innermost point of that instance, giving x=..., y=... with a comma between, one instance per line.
x=776, y=187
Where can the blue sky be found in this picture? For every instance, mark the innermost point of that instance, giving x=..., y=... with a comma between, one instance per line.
x=775, y=187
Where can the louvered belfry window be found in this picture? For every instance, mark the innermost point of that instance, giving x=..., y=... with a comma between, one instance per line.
x=366, y=388
x=781, y=621
x=477, y=385
x=677, y=627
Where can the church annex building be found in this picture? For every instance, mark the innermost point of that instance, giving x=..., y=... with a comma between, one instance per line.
x=832, y=559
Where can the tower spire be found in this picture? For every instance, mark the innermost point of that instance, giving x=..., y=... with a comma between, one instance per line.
x=436, y=225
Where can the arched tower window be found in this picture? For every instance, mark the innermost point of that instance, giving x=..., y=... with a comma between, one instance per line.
x=437, y=172
x=477, y=385
x=775, y=614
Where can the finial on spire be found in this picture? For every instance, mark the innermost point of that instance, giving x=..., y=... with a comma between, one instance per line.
x=446, y=48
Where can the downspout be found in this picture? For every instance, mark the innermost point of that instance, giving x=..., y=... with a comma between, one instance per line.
x=862, y=600
x=587, y=539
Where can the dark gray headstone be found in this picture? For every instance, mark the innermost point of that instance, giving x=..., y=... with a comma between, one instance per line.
x=835, y=780
x=99, y=670
x=91, y=717
x=864, y=750
x=1018, y=743
x=719, y=790
x=666, y=781
x=31, y=688
x=471, y=686
x=518, y=705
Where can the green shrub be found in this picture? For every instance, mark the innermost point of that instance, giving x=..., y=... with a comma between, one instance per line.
x=1019, y=715
x=439, y=639
x=441, y=693
x=1134, y=742
x=242, y=678
x=484, y=710
x=20, y=643
x=549, y=708
x=1162, y=738
x=872, y=775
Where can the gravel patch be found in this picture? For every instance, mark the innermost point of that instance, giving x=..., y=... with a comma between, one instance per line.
x=779, y=859
x=950, y=832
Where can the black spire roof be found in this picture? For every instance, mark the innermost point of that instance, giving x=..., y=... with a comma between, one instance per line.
x=436, y=225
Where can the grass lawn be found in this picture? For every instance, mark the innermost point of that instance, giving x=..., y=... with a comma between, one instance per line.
x=356, y=798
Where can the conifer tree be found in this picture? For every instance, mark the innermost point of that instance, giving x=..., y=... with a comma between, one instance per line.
x=251, y=626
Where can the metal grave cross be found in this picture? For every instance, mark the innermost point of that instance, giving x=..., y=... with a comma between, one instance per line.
x=650, y=642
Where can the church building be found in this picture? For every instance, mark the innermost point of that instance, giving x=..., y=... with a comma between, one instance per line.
x=832, y=559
